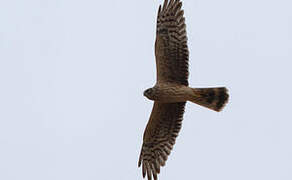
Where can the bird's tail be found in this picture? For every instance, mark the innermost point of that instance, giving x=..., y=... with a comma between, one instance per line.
x=212, y=98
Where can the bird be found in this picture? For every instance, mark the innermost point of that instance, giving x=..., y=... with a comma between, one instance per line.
x=171, y=91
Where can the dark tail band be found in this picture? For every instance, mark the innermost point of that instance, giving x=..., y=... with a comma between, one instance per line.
x=212, y=98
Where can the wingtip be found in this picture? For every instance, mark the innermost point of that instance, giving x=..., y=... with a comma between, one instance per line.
x=164, y=5
x=143, y=170
x=159, y=11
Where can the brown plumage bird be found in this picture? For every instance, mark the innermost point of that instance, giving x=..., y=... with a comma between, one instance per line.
x=171, y=90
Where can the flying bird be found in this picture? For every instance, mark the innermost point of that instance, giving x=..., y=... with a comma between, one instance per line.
x=171, y=90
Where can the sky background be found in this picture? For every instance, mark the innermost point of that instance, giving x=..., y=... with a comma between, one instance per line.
x=72, y=75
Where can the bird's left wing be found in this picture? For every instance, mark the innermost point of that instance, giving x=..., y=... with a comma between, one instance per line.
x=171, y=48
x=159, y=136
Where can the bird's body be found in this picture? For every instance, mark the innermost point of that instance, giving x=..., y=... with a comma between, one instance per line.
x=212, y=98
x=171, y=91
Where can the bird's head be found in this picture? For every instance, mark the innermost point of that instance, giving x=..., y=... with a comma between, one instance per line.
x=150, y=93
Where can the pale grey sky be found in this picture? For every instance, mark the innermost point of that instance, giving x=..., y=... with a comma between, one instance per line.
x=72, y=74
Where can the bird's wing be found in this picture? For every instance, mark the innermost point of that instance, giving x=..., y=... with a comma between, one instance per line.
x=171, y=49
x=159, y=136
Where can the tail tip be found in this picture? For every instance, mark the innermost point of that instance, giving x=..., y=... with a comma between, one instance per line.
x=223, y=98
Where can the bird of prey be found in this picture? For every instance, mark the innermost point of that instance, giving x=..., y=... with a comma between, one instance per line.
x=171, y=90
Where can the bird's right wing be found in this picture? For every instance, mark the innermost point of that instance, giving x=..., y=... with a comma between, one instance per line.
x=171, y=49
x=159, y=136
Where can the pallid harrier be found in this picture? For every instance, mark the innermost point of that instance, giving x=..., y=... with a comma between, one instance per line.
x=171, y=90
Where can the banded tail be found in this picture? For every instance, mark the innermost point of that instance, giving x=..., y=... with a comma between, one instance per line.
x=212, y=98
